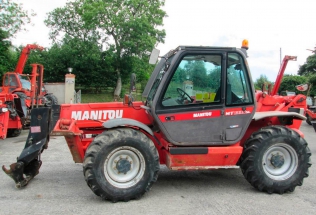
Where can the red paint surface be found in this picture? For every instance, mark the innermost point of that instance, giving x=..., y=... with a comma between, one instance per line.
x=216, y=156
x=192, y=115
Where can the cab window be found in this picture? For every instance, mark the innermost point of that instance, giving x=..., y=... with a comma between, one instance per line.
x=196, y=80
x=10, y=80
x=238, y=90
x=158, y=79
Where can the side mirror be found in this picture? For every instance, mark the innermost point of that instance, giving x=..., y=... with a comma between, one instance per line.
x=154, y=56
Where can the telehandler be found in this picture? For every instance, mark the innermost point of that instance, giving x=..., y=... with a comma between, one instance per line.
x=20, y=93
x=200, y=112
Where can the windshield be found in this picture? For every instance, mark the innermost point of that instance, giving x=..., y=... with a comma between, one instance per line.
x=25, y=82
x=157, y=81
x=196, y=80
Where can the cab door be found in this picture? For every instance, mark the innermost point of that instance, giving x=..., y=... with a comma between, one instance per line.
x=189, y=108
x=239, y=105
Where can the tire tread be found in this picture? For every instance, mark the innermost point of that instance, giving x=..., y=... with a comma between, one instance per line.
x=253, y=144
x=105, y=139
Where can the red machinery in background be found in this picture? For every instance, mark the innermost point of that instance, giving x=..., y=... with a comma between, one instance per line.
x=28, y=86
x=310, y=111
x=310, y=115
x=10, y=121
x=278, y=80
x=21, y=93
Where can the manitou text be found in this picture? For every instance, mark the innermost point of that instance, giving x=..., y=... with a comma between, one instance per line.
x=97, y=114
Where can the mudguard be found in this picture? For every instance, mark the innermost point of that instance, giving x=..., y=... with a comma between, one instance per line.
x=264, y=114
x=126, y=122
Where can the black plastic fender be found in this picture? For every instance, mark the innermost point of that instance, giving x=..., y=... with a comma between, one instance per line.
x=112, y=123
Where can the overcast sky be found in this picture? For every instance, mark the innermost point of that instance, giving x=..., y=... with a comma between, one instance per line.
x=269, y=25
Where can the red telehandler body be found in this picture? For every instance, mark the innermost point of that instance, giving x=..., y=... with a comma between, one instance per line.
x=10, y=121
x=20, y=93
x=30, y=87
x=201, y=112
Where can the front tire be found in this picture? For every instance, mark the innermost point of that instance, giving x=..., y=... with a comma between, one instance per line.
x=50, y=100
x=275, y=160
x=121, y=164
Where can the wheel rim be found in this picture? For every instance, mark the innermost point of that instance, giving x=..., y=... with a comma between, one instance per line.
x=280, y=161
x=124, y=167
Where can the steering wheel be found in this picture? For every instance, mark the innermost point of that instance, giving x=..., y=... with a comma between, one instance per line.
x=183, y=94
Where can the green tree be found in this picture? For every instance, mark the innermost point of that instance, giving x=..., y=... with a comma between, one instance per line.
x=263, y=79
x=86, y=58
x=308, y=70
x=139, y=66
x=311, y=80
x=197, y=72
x=4, y=51
x=76, y=46
x=214, y=78
x=132, y=25
x=309, y=67
x=289, y=83
x=8, y=56
x=128, y=28
x=67, y=21
x=13, y=17
x=179, y=76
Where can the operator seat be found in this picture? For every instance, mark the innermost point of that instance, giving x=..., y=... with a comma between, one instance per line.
x=231, y=97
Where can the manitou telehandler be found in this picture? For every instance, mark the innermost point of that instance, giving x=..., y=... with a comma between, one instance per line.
x=20, y=93
x=200, y=112
x=28, y=86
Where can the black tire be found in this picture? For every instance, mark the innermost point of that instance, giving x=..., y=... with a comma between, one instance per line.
x=14, y=132
x=121, y=164
x=275, y=160
x=50, y=100
x=308, y=119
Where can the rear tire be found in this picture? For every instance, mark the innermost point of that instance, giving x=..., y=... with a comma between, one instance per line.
x=275, y=160
x=50, y=100
x=121, y=164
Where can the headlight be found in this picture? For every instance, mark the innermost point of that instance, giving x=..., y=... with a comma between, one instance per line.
x=2, y=110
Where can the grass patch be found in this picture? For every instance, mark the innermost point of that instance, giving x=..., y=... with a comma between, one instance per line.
x=106, y=94
x=93, y=98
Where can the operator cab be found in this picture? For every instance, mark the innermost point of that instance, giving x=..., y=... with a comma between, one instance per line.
x=201, y=95
x=13, y=81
